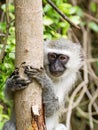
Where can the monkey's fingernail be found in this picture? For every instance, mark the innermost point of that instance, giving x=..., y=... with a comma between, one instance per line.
x=31, y=67
x=23, y=63
x=41, y=68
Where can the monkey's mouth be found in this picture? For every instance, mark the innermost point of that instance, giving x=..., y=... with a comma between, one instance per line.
x=56, y=74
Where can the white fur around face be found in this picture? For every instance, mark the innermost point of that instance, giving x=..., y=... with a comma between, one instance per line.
x=75, y=62
x=63, y=46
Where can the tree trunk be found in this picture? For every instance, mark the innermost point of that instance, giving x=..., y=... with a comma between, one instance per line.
x=29, y=49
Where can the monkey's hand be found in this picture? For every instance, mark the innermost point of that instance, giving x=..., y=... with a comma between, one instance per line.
x=49, y=98
x=15, y=82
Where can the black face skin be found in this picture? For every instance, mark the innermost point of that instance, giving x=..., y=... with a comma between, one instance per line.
x=57, y=63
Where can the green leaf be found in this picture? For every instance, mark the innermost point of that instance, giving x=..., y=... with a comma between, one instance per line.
x=75, y=19
x=65, y=7
x=93, y=26
x=10, y=7
x=47, y=36
x=73, y=10
x=79, y=11
x=3, y=26
x=3, y=7
x=47, y=21
x=47, y=8
x=56, y=35
x=62, y=24
x=93, y=7
x=12, y=55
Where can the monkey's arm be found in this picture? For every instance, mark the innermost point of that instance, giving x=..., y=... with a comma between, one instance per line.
x=15, y=83
x=49, y=98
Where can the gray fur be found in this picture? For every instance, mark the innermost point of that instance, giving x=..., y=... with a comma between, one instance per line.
x=10, y=125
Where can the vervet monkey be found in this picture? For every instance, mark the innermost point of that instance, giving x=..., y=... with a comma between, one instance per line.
x=62, y=61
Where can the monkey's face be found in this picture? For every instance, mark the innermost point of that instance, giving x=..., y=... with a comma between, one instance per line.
x=57, y=63
x=62, y=58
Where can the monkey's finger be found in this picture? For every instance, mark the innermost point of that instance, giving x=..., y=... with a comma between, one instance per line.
x=15, y=77
x=30, y=68
x=31, y=72
x=22, y=81
x=36, y=69
x=18, y=87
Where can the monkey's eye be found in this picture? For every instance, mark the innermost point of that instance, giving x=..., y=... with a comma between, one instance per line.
x=51, y=56
x=63, y=58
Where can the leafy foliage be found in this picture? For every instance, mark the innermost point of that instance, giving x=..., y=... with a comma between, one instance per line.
x=54, y=25
x=7, y=63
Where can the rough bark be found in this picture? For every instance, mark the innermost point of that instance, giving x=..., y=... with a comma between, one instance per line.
x=29, y=49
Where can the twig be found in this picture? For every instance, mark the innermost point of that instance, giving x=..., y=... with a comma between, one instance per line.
x=8, y=23
x=92, y=73
x=90, y=17
x=90, y=97
x=71, y=103
x=7, y=31
x=85, y=36
x=62, y=15
x=90, y=108
x=7, y=11
x=80, y=97
x=83, y=84
x=2, y=35
x=72, y=35
x=92, y=60
x=86, y=115
x=96, y=1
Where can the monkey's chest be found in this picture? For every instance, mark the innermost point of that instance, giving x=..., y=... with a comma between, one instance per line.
x=60, y=93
